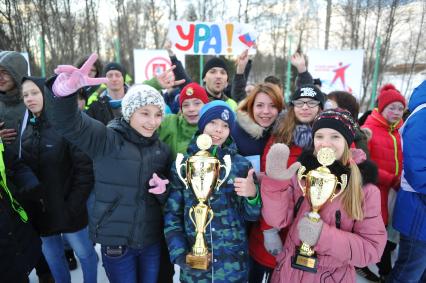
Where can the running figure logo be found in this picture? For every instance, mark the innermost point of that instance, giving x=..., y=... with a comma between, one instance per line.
x=340, y=74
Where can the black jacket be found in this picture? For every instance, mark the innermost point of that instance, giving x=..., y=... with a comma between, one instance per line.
x=20, y=246
x=66, y=176
x=101, y=110
x=124, y=213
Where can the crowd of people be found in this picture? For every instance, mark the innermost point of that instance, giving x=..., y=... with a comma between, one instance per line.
x=88, y=158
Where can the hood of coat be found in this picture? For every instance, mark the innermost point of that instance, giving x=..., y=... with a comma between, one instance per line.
x=250, y=126
x=15, y=64
x=418, y=97
x=121, y=126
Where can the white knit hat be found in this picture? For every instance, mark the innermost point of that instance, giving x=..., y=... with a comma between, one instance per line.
x=140, y=95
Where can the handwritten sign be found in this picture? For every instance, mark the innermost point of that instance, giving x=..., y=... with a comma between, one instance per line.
x=211, y=38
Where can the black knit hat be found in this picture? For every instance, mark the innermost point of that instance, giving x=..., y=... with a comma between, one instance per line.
x=308, y=91
x=336, y=119
x=212, y=63
x=114, y=66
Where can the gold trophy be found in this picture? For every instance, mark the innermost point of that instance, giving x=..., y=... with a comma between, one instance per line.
x=320, y=186
x=202, y=175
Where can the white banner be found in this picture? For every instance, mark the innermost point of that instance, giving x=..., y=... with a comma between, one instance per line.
x=338, y=69
x=149, y=63
x=211, y=38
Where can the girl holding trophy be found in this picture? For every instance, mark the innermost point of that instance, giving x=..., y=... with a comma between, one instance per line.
x=211, y=245
x=331, y=206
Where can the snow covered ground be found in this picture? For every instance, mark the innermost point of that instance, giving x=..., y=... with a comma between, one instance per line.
x=77, y=277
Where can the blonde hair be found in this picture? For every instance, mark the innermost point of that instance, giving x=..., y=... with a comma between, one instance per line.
x=352, y=198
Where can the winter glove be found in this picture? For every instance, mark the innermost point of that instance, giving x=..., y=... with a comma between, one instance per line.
x=309, y=231
x=276, y=163
x=158, y=184
x=70, y=79
x=272, y=241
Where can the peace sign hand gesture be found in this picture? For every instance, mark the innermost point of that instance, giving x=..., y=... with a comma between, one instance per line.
x=70, y=79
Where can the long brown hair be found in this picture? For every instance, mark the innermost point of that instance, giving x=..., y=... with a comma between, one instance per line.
x=270, y=90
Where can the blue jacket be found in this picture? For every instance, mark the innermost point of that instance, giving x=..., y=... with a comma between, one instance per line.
x=410, y=208
x=225, y=236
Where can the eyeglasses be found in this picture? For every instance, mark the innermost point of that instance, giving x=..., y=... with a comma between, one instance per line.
x=301, y=103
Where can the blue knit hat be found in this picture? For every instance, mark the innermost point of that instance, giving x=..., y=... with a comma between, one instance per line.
x=216, y=109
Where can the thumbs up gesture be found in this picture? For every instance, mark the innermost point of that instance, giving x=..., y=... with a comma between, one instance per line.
x=245, y=187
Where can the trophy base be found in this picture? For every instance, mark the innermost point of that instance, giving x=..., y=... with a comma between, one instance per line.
x=198, y=262
x=304, y=262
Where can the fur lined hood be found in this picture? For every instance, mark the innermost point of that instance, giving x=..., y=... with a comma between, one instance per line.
x=250, y=126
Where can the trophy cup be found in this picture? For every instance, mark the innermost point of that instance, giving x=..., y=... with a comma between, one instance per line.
x=320, y=186
x=202, y=175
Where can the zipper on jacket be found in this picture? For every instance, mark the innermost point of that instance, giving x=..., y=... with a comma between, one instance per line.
x=108, y=212
x=395, y=147
x=138, y=196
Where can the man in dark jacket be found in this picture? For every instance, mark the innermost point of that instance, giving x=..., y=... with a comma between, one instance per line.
x=13, y=67
x=108, y=105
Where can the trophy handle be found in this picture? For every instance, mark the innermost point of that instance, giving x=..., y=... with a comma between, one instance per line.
x=227, y=167
x=343, y=185
x=300, y=177
x=191, y=210
x=210, y=218
x=179, y=165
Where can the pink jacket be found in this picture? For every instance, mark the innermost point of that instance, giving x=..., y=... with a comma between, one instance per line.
x=356, y=243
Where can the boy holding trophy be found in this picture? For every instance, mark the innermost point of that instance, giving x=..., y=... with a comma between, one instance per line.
x=331, y=206
x=209, y=203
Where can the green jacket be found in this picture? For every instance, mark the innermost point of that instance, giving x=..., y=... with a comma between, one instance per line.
x=177, y=133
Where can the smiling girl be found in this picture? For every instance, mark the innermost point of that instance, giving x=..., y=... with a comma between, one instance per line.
x=350, y=231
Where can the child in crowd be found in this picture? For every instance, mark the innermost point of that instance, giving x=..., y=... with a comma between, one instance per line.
x=233, y=203
x=350, y=231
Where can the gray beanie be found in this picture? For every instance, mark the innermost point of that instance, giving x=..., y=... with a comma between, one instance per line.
x=140, y=95
x=15, y=64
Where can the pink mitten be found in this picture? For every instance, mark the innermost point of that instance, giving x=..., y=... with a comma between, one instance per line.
x=70, y=79
x=158, y=184
x=309, y=231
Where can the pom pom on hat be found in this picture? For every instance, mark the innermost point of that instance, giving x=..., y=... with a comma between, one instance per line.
x=389, y=94
x=140, y=95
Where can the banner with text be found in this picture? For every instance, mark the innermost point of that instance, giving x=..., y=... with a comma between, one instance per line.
x=338, y=69
x=149, y=63
x=211, y=38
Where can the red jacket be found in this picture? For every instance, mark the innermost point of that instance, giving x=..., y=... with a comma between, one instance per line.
x=385, y=150
x=256, y=247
